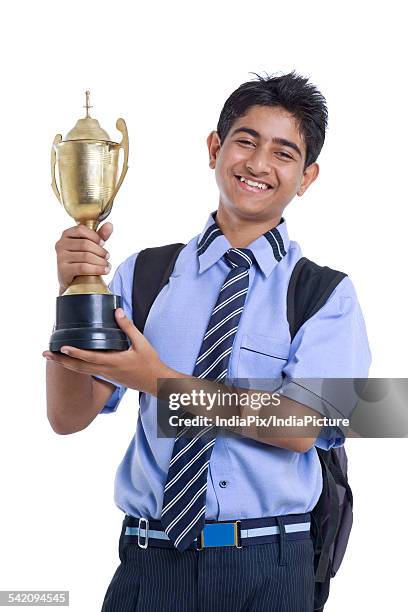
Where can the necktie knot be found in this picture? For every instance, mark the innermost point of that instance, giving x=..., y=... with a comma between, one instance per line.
x=242, y=258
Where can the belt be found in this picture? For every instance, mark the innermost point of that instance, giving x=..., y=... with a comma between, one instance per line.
x=148, y=532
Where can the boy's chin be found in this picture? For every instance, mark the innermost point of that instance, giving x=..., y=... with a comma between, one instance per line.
x=251, y=209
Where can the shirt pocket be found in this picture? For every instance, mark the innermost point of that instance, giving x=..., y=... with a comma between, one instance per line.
x=262, y=357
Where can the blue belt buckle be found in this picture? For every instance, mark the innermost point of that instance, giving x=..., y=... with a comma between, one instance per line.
x=219, y=534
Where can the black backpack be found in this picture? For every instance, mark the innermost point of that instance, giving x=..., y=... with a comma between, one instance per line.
x=309, y=288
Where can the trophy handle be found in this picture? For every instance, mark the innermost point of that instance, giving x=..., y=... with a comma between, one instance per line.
x=54, y=186
x=124, y=144
x=121, y=126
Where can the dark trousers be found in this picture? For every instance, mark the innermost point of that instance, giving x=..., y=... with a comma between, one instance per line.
x=274, y=577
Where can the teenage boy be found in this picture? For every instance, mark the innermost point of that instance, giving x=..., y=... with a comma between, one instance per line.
x=221, y=316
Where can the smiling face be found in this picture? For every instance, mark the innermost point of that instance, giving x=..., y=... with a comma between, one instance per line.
x=260, y=166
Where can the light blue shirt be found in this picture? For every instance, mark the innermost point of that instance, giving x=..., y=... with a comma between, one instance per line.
x=246, y=478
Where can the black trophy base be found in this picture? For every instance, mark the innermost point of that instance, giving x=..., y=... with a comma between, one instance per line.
x=87, y=321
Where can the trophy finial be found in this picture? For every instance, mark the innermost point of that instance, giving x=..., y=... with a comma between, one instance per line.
x=87, y=128
x=87, y=104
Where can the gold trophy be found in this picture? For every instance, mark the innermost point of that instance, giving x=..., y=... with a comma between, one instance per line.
x=87, y=161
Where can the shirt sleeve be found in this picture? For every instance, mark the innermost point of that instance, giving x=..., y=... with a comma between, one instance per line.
x=121, y=284
x=332, y=344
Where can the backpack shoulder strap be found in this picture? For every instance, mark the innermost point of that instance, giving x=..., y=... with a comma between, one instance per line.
x=309, y=288
x=153, y=267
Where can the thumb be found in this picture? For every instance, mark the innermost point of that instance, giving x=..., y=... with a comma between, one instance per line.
x=127, y=326
x=105, y=230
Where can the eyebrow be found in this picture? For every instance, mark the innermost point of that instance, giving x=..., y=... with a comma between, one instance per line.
x=280, y=141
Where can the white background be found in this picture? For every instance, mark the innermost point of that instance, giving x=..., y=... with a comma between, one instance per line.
x=167, y=68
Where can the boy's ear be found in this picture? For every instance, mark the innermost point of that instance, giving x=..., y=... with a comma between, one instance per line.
x=214, y=145
x=309, y=175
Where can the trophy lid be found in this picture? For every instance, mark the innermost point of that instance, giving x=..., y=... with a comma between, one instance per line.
x=87, y=128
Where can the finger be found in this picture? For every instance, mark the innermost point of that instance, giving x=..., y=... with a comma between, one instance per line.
x=83, y=245
x=76, y=365
x=82, y=231
x=84, y=257
x=84, y=269
x=99, y=358
x=128, y=327
x=105, y=231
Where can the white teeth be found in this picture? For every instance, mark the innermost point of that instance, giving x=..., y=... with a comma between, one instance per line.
x=253, y=183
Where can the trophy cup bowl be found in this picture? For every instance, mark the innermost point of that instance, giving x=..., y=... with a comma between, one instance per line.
x=87, y=161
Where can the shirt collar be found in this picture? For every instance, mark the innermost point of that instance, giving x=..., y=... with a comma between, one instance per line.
x=269, y=249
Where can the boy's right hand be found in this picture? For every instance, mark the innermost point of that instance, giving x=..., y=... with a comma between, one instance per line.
x=80, y=252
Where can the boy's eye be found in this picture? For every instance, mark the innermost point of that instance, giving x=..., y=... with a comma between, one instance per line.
x=285, y=154
x=246, y=142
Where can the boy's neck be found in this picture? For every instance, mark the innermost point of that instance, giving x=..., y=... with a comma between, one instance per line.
x=241, y=232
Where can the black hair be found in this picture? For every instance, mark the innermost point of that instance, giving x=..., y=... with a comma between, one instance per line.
x=291, y=92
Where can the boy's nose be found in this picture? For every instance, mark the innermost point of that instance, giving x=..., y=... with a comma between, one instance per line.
x=259, y=163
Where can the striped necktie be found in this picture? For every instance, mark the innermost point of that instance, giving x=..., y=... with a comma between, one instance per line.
x=183, y=513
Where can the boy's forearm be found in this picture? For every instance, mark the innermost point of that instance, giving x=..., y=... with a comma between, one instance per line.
x=281, y=436
x=69, y=399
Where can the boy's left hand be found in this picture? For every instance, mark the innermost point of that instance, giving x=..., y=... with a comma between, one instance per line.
x=137, y=368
